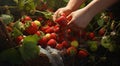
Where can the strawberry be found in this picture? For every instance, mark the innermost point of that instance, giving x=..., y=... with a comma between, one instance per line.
x=32, y=29
x=91, y=35
x=71, y=51
x=50, y=23
x=62, y=21
x=43, y=42
x=75, y=43
x=38, y=33
x=26, y=18
x=49, y=30
x=37, y=23
x=44, y=28
x=53, y=36
x=63, y=14
x=19, y=39
x=56, y=28
x=65, y=44
x=59, y=46
x=82, y=53
x=52, y=43
x=101, y=31
x=48, y=36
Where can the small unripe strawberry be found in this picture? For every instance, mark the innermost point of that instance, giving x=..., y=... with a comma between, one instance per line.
x=75, y=43
x=37, y=23
x=48, y=36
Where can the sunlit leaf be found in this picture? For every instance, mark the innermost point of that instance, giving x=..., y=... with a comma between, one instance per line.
x=29, y=49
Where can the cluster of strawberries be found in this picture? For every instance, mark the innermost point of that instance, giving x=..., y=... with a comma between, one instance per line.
x=52, y=34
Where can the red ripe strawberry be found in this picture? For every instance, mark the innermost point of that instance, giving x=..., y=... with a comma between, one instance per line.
x=62, y=21
x=44, y=28
x=53, y=36
x=63, y=14
x=43, y=42
x=50, y=23
x=71, y=51
x=49, y=30
x=26, y=18
x=56, y=28
x=32, y=29
x=82, y=53
x=91, y=35
x=38, y=33
x=59, y=46
x=65, y=44
x=101, y=31
x=19, y=39
x=52, y=43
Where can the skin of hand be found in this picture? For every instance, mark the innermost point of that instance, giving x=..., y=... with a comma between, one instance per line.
x=82, y=17
x=60, y=11
x=70, y=7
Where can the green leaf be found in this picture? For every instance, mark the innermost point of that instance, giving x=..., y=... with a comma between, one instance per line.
x=48, y=15
x=7, y=18
x=100, y=22
x=29, y=49
x=19, y=25
x=31, y=38
x=11, y=55
x=105, y=42
x=16, y=32
x=93, y=45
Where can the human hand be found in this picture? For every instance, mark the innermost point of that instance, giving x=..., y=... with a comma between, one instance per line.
x=79, y=19
x=60, y=11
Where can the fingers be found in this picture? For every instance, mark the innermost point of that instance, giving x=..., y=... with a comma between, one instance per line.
x=72, y=24
x=55, y=15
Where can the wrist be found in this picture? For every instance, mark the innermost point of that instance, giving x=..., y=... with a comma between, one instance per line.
x=69, y=8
